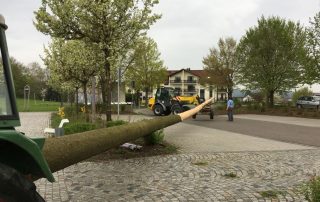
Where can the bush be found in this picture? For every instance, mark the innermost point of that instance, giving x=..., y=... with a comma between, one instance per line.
x=311, y=190
x=78, y=127
x=116, y=123
x=301, y=92
x=154, y=138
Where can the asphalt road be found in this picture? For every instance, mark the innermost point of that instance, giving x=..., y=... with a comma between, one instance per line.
x=304, y=135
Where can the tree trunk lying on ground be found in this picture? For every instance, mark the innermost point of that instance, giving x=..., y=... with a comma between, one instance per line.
x=64, y=151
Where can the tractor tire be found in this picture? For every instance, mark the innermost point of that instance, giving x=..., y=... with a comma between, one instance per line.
x=158, y=110
x=176, y=110
x=167, y=112
x=211, y=115
x=15, y=187
x=194, y=116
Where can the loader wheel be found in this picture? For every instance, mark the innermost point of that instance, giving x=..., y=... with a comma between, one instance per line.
x=15, y=187
x=194, y=116
x=211, y=115
x=158, y=110
x=167, y=112
x=176, y=110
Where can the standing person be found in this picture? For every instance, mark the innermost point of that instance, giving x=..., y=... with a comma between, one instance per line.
x=230, y=106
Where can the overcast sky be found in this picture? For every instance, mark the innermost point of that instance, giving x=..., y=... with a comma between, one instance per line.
x=184, y=34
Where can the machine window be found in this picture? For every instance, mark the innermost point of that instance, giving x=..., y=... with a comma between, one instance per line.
x=5, y=105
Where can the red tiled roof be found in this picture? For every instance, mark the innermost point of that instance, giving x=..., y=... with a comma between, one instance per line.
x=199, y=73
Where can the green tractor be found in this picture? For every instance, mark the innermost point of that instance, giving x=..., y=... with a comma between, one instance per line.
x=20, y=157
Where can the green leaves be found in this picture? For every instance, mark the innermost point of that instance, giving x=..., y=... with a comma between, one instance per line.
x=272, y=55
x=147, y=69
x=313, y=42
x=113, y=25
x=221, y=63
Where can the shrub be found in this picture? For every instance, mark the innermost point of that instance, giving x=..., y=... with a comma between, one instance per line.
x=301, y=92
x=311, y=190
x=116, y=123
x=122, y=108
x=78, y=127
x=154, y=138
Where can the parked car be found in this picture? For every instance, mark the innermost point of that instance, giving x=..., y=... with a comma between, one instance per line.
x=308, y=102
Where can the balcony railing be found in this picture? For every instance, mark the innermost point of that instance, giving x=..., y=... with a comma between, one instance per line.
x=190, y=90
x=183, y=81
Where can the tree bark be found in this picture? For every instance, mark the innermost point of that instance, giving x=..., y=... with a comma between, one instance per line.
x=270, y=98
x=108, y=84
x=147, y=95
x=84, y=86
x=77, y=102
x=230, y=91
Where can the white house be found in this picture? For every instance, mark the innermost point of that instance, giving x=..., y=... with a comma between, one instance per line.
x=187, y=82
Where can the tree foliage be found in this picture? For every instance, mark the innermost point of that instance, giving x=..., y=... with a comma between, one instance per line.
x=113, y=25
x=313, y=42
x=37, y=78
x=147, y=68
x=32, y=75
x=220, y=64
x=74, y=62
x=19, y=76
x=301, y=92
x=271, y=56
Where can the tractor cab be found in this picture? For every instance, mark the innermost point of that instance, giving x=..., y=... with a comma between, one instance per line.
x=17, y=152
x=9, y=116
x=167, y=101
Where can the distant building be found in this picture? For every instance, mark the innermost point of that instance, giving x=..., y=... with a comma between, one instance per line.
x=238, y=94
x=187, y=82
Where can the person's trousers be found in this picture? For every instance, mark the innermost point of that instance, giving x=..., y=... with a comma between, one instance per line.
x=230, y=114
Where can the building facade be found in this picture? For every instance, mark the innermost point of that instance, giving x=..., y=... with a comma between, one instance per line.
x=187, y=82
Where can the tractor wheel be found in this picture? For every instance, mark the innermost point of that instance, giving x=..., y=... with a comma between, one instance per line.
x=158, y=110
x=15, y=187
x=176, y=110
x=194, y=116
x=211, y=115
x=167, y=112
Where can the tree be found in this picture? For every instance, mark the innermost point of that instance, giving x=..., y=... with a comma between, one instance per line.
x=313, y=43
x=271, y=56
x=221, y=63
x=147, y=69
x=73, y=61
x=301, y=92
x=19, y=76
x=112, y=24
x=37, y=78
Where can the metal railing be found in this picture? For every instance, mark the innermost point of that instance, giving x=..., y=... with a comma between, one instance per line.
x=183, y=81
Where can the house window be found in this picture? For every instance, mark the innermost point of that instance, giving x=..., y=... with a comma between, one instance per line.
x=210, y=93
x=201, y=93
x=191, y=88
x=177, y=79
x=190, y=79
x=178, y=91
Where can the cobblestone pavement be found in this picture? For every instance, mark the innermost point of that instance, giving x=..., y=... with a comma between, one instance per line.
x=187, y=177
x=182, y=177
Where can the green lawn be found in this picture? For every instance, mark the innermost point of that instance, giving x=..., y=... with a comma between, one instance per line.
x=37, y=106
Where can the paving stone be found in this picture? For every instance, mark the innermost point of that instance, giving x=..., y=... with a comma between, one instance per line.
x=176, y=178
